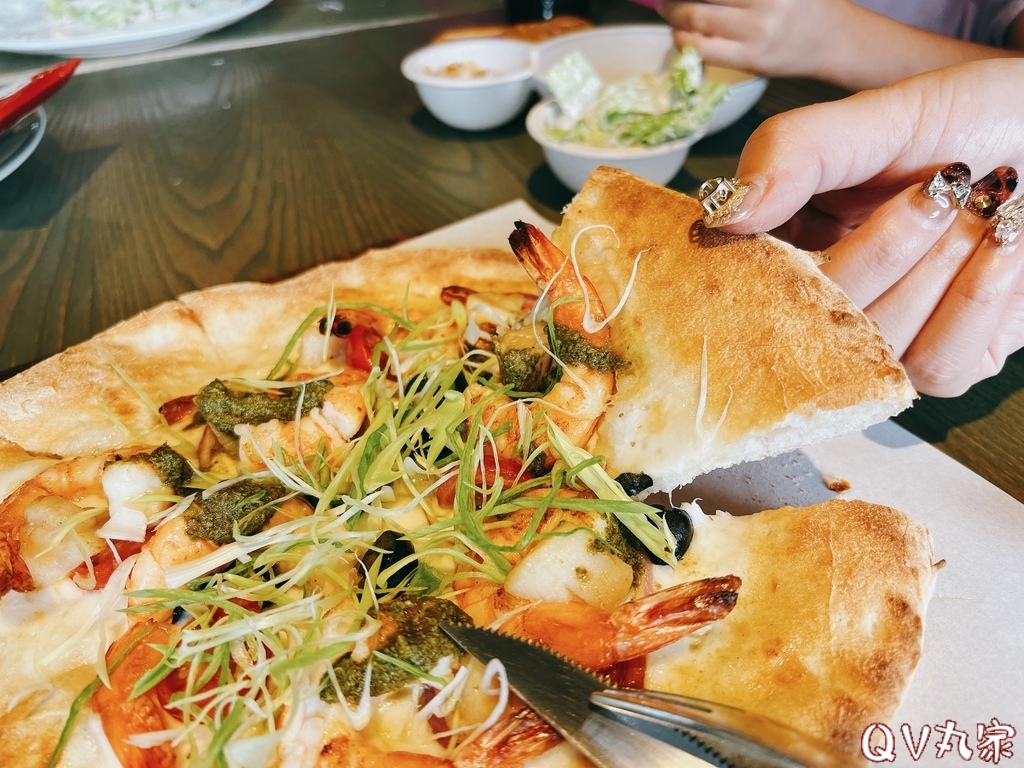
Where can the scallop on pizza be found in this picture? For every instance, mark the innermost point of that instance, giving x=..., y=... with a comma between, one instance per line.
x=231, y=525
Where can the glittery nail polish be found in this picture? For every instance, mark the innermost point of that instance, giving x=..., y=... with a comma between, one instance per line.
x=1008, y=222
x=950, y=186
x=992, y=191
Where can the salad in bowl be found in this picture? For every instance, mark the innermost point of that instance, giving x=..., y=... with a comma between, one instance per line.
x=643, y=110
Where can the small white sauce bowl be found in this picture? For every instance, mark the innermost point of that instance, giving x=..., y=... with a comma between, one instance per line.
x=473, y=103
x=573, y=163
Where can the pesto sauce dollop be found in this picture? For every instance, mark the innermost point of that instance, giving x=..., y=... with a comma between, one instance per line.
x=225, y=409
x=172, y=467
x=573, y=349
x=409, y=625
x=249, y=503
x=527, y=367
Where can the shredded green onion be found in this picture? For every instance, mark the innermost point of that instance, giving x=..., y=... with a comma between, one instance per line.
x=295, y=597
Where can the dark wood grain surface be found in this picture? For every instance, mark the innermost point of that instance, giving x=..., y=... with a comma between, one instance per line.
x=224, y=161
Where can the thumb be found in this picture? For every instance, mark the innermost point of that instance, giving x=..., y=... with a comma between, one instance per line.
x=815, y=149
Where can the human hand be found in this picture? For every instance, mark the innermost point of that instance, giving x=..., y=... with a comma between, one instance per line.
x=835, y=41
x=771, y=37
x=847, y=176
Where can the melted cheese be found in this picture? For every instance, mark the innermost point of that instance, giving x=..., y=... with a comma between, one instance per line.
x=34, y=626
x=88, y=746
x=716, y=550
x=42, y=672
x=51, y=562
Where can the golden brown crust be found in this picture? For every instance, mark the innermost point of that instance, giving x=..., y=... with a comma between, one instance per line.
x=529, y=31
x=778, y=339
x=829, y=622
x=86, y=399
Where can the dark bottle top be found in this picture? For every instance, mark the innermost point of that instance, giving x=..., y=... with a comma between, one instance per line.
x=542, y=10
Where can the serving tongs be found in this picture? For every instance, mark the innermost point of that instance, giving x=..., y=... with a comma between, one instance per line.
x=618, y=727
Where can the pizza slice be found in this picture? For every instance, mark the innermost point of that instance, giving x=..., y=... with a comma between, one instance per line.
x=739, y=347
x=237, y=548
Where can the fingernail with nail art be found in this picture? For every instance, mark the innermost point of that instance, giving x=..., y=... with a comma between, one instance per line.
x=950, y=186
x=1008, y=221
x=728, y=201
x=989, y=193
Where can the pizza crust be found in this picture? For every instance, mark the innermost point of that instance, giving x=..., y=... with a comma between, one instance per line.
x=737, y=347
x=828, y=626
x=86, y=399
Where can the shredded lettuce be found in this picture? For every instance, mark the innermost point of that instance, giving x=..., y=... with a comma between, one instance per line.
x=645, y=110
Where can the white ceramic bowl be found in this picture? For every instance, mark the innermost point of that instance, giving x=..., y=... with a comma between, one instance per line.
x=573, y=163
x=473, y=103
x=619, y=52
x=744, y=92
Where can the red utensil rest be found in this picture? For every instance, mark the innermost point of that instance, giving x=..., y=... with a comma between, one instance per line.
x=18, y=101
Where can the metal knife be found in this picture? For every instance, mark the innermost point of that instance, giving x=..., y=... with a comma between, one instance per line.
x=629, y=727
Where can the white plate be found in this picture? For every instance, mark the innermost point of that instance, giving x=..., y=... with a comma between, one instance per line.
x=24, y=29
x=20, y=140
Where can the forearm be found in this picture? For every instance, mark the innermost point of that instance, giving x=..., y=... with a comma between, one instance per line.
x=869, y=50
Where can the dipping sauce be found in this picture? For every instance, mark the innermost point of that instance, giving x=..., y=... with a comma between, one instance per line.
x=462, y=69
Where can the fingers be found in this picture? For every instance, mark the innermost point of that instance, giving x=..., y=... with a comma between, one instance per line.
x=971, y=331
x=877, y=140
x=884, y=249
x=944, y=291
x=902, y=311
x=1010, y=334
x=793, y=156
x=706, y=19
x=715, y=50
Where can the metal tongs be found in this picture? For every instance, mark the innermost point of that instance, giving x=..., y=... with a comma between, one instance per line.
x=617, y=727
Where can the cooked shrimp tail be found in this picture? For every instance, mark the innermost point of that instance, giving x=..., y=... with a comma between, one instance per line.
x=577, y=401
x=550, y=269
x=633, y=629
x=654, y=621
x=539, y=256
x=520, y=735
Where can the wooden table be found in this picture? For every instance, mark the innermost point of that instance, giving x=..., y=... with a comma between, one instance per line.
x=291, y=139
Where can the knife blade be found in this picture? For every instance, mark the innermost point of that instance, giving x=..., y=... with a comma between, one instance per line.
x=560, y=692
x=619, y=727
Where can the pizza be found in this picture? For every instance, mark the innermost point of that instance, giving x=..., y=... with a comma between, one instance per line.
x=230, y=525
x=527, y=31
